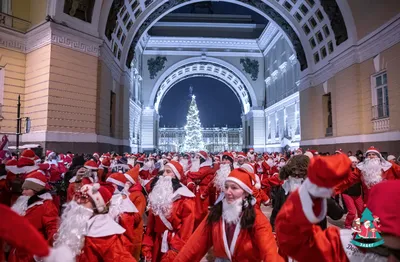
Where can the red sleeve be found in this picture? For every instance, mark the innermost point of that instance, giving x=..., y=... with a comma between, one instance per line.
x=353, y=178
x=264, y=239
x=197, y=175
x=198, y=244
x=139, y=201
x=148, y=235
x=50, y=220
x=186, y=215
x=299, y=239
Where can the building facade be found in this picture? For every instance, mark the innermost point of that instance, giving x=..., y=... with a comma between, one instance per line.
x=92, y=75
x=216, y=139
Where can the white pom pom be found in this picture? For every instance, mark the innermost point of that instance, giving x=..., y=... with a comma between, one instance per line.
x=95, y=187
x=258, y=186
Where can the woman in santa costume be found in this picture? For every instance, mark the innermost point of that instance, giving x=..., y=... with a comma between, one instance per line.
x=89, y=231
x=373, y=170
x=171, y=215
x=122, y=210
x=303, y=240
x=234, y=228
x=137, y=197
x=37, y=207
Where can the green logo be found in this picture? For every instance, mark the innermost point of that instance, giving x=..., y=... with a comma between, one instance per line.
x=367, y=229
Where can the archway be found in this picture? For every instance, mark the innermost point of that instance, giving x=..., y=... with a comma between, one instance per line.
x=210, y=67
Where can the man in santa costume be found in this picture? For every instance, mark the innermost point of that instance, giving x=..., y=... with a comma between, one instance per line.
x=302, y=240
x=373, y=170
x=251, y=155
x=84, y=176
x=235, y=229
x=37, y=207
x=137, y=197
x=241, y=159
x=201, y=179
x=88, y=229
x=171, y=216
x=104, y=169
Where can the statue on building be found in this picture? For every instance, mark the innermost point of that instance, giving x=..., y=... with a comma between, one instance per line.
x=81, y=9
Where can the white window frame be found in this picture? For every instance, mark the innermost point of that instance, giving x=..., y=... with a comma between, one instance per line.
x=374, y=92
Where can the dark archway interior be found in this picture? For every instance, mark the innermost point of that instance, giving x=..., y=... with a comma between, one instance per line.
x=220, y=109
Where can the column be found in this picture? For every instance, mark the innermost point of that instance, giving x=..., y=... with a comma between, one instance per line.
x=256, y=120
x=149, y=119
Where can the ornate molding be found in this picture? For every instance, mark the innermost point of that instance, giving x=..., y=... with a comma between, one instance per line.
x=267, y=36
x=50, y=33
x=251, y=67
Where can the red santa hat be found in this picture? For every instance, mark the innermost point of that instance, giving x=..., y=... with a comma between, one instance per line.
x=251, y=149
x=203, y=155
x=118, y=179
x=100, y=194
x=91, y=164
x=26, y=163
x=373, y=149
x=176, y=168
x=106, y=163
x=11, y=166
x=250, y=168
x=50, y=154
x=391, y=157
x=133, y=175
x=339, y=151
x=383, y=202
x=217, y=159
x=35, y=181
x=28, y=154
x=246, y=180
x=229, y=155
x=141, y=159
x=324, y=173
x=97, y=155
x=299, y=150
x=241, y=155
x=309, y=154
x=353, y=159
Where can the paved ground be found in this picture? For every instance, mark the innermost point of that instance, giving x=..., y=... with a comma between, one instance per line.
x=267, y=211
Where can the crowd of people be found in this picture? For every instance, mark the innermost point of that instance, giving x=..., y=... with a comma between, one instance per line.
x=178, y=207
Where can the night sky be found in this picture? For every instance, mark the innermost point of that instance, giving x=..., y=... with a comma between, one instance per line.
x=217, y=103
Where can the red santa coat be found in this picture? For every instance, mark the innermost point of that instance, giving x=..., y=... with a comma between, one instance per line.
x=255, y=244
x=138, y=199
x=202, y=178
x=301, y=240
x=43, y=215
x=104, y=242
x=389, y=173
x=73, y=187
x=5, y=193
x=174, y=231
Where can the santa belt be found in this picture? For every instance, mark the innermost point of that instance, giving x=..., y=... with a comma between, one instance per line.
x=164, y=240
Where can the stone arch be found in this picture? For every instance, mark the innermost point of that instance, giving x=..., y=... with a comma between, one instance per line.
x=209, y=67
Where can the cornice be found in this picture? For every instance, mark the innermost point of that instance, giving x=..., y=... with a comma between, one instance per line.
x=50, y=33
x=267, y=35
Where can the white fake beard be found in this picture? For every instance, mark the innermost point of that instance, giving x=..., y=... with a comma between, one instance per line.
x=21, y=205
x=73, y=227
x=270, y=162
x=131, y=161
x=231, y=212
x=294, y=183
x=281, y=164
x=195, y=165
x=160, y=198
x=372, y=172
x=184, y=163
x=220, y=177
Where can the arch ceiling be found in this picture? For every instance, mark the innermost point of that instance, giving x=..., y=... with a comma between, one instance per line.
x=211, y=67
x=315, y=28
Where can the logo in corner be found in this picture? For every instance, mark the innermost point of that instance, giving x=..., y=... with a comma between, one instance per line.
x=367, y=233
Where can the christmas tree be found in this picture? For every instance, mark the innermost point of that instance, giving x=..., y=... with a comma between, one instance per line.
x=193, y=136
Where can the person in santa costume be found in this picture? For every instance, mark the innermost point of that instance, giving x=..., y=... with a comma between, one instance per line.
x=234, y=228
x=83, y=176
x=241, y=159
x=89, y=231
x=373, y=170
x=199, y=182
x=302, y=240
x=104, y=169
x=37, y=207
x=251, y=155
x=122, y=210
x=137, y=197
x=259, y=194
x=171, y=216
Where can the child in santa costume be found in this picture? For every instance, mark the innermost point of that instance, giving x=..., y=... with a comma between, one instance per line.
x=137, y=197
x=89, y=230
x=302, y=240
x=171, y=215
x=122, y=210
x=234, y=228
x=37, y=207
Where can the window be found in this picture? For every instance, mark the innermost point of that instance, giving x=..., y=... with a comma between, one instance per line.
x=327, y=113
x=312, y=22
x=298, y=16
x=316, y=57
x=319, y=15
x=381, y=107
x=306, y=29
x=304, y=9
x=288, y=6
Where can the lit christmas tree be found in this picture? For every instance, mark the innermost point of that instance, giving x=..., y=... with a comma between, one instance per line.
x=193, y=136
